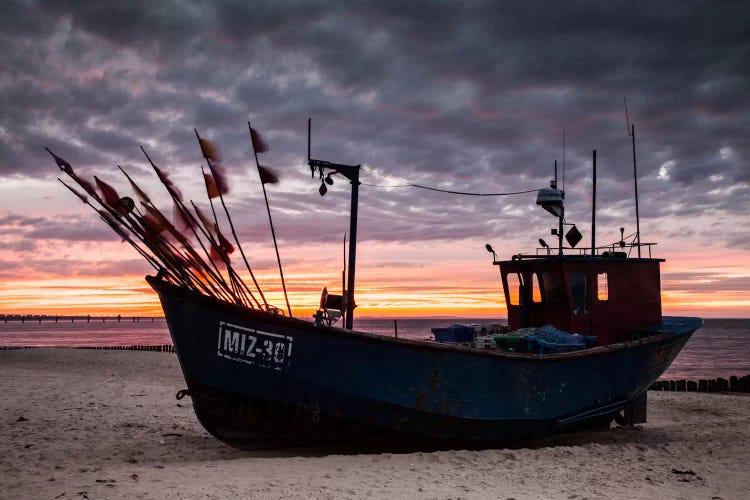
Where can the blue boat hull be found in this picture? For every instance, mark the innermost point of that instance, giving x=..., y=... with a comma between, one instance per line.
x=257, y=378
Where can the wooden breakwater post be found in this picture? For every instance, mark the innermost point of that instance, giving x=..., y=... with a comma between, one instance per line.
x=720, y=384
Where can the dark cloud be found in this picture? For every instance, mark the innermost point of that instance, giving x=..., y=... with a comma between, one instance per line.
x=27, y=231
x=465, y=96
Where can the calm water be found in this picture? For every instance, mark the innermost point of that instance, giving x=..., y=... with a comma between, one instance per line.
x=719, y=349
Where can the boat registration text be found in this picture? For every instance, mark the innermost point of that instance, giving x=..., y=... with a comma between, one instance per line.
x=254, y=347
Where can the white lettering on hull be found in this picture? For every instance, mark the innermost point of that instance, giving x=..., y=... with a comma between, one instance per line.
x=254, y=347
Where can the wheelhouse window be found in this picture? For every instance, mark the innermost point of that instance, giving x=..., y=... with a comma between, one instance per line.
x=553, y=288
x=602, y=287
x=579, y=292
x=536, y=289
x=514, y=288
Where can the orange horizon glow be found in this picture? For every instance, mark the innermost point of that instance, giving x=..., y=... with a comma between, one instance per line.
x=394, y=280
x=131, y=296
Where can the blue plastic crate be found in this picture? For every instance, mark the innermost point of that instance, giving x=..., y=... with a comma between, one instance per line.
x=454, y=333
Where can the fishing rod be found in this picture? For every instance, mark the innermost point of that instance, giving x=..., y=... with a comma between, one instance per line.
x=188, y=216
x=164, y=222
x=260, y=148
x=224, y=255
x=158, y=261
x=229, y=219
x=150, y=259
x=242, y=287
x=185, y=262
x=631, y=133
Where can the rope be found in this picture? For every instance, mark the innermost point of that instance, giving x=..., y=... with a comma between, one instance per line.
x=428, y=188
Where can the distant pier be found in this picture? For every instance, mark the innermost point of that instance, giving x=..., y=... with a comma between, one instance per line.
x=47, y=318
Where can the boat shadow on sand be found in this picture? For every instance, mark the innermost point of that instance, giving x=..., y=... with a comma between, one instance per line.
x=204, y=448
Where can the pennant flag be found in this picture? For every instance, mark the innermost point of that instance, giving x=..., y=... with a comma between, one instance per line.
x=164, y=178
x=211, y=189
x=156, y=215
x=64, y=165
x=139, y=192
x=182, y=220
x=210, y=150
x=224, y=243
x=205, y=220
x=108, y=192
x=267, y=176
x=152, y=224
x=172, y=232
x=219, y=177
x=259, y=145
x=221, y=250
x=216, y=256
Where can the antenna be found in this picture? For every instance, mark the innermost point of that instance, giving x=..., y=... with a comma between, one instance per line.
x=563, y=165
x=555, y=186
x=631, y=133
x=593, y=208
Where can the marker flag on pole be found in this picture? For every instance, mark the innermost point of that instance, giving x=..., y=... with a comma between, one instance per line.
x=211, y=189
x=64, y=165
x=210, y=150
x=267, y=176
x=152, y=224
x=108, y=192
x=205, y=220
x=219, y=177
x=164, y=178
x=212, y=153
x=224, y=243
x=139, y=192
x=182, y=221
x=221, y=250
x=259, y=145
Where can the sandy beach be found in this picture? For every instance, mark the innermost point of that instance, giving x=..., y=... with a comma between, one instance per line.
x=106, y=424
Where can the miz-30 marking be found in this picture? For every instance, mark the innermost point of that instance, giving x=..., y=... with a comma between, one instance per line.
x=254, y=347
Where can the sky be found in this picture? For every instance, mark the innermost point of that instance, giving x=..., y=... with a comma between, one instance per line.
x=469, y=96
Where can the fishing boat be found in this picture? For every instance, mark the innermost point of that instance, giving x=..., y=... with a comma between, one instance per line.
x=258, y=376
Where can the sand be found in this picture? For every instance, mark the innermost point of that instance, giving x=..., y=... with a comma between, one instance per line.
x=106, y=424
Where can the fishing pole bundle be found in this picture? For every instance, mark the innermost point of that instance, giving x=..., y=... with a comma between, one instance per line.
x=189, y=250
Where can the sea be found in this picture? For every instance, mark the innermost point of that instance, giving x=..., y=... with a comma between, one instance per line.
x=720, y=348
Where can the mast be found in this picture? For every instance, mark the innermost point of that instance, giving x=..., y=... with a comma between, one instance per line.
x=560, y=216
x=593, y=210
x=635, y=181
x=351, y=172
x=631, y=133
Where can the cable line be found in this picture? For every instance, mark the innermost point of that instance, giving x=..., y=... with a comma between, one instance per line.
x=448, y=191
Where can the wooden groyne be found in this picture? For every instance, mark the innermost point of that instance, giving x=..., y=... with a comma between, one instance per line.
x=733, y=384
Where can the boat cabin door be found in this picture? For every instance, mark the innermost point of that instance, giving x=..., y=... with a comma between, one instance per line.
x=579, y=288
